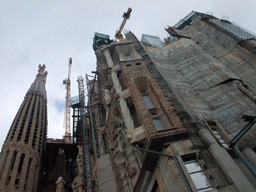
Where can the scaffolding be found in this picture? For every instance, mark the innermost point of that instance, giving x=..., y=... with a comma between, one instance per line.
x=95, y=113
x=90, y=83
x=86, y=136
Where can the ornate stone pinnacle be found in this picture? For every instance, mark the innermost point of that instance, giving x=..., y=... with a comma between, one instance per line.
x=41, y=69
x=42, y=73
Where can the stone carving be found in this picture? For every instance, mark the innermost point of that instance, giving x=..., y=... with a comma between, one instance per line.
x=107, y=97
x=132, y=172
x=60, y=185
x=41, y=73
x=109, y=82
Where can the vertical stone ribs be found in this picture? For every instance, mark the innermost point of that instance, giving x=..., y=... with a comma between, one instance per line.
x=17, y=119
x=21, y=152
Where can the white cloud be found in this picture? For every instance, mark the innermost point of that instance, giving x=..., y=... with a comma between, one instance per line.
x=49, y=32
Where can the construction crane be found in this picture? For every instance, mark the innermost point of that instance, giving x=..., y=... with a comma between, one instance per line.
x=68, y=103
x=126, y=16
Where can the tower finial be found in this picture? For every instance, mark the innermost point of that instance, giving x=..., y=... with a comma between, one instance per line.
x=41, y=69
x=42, y=73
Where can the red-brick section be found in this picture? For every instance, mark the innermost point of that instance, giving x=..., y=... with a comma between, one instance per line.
x=130, y=70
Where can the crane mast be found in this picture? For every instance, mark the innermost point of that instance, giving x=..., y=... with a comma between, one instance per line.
x=68, y=104
x=126, y=16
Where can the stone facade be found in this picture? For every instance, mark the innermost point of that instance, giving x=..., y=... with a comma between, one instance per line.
x=22, y=150
x=182, y=103
x=162, y=117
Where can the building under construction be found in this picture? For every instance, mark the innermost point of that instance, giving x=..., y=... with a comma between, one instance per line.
x=172, y=115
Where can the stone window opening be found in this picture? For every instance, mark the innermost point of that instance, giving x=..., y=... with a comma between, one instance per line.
x=34, y=178
x=218, y=136
x=125, y=53
x=155, y=187
x=8, y=179
x=159, y=125
x=13, y=160
x=17, y=120
x=145, y=89
x=133, y=112
x=21, y=163
x=148, y=101
x=36, y=126
x=128, y=56
x=160, y=119
x=16, y=184
x=218, y=133
x=28, y=171
x=30, y=122
x=196, y=173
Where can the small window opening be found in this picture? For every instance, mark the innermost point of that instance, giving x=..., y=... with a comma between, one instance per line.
x=213, y=126
x=155, y=187
x=220, y=139
x=148, y=102
x=28, y=171
x=128, y=57
x=13, y=159
x=21, y=163
x=197, y=174
x=159, y=124
x=17, y=181
x=133, y=112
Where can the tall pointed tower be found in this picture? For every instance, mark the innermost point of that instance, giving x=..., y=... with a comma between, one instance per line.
x=21, y=153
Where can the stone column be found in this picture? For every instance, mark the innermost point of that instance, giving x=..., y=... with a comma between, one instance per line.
x=124, y=107
x=6, y=170
x=225, y=161
x=3, y=160
x=31, y=175
x=25, y=170
x=13, y=173
x=250, y=155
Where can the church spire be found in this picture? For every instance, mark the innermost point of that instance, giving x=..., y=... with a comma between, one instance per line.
x=21, y=153
x=41, y=73
x=38, y=87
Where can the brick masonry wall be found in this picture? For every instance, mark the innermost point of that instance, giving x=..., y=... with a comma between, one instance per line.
x=130, y=70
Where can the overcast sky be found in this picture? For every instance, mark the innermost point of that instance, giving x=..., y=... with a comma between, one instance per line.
x=49, y=32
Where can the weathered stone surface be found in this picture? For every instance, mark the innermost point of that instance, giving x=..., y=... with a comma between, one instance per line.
x=22, y=150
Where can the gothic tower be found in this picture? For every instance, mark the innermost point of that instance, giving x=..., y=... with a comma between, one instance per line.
x=21, y=153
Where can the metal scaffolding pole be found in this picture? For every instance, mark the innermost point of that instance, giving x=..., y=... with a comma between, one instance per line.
x=91, y=113
x=85, y=141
